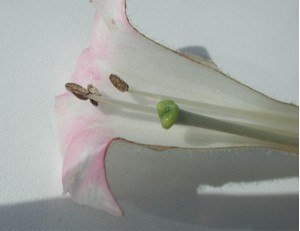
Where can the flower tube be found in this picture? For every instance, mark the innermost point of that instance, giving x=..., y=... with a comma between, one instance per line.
x=128, y=78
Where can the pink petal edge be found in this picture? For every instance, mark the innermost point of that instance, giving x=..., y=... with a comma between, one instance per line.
x=84, y=143
x=83, y=139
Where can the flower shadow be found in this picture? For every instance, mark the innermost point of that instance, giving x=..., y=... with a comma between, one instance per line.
x=165, y=184
x=195, y=50
x=158, y=192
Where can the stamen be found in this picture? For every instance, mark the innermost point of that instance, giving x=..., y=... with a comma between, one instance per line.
x=95, y=96
x=169, y=113
x=122, y=86
x=94, y=91
x=118, y=83
x=77, y=90
x=123, y=104
x=95, y=103
x=206, y=108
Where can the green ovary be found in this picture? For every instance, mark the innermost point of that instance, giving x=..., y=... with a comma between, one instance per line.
x=168, y=112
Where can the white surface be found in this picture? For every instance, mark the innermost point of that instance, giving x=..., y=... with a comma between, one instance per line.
x=255, y=42
x=257, y=188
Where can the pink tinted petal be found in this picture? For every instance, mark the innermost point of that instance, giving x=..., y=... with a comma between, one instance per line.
x=83, y=138
x=84, y=142
x=84, y=174
x=112, y=11
x=86, y=70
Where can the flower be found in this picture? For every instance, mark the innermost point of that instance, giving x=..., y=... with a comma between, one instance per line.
x=216, y=111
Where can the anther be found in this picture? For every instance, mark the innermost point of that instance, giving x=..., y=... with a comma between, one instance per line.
x=77, y=90
x=169, y=113
x=118, y=83
x=94, y=91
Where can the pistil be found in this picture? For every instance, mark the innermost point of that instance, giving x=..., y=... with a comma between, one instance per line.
x=197, y=120
x=206, y=108
x=170, y=114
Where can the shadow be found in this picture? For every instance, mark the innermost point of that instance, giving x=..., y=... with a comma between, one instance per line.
x=263, y=213
x=196, y=50
x=134, y=164
x=164, y=184
x=230, y=212
x=157, y=191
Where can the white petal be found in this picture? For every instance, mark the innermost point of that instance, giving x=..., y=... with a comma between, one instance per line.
x=147, y=66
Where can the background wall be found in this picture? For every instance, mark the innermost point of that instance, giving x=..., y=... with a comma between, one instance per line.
x=254, y=41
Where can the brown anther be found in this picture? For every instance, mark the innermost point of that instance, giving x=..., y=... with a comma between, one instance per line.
x=118, y=83
x=93, y=90
x=95, y=103
x=80, y=96
x=77, y=90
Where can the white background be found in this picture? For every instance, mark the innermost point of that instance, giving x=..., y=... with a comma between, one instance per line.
x=254, y=41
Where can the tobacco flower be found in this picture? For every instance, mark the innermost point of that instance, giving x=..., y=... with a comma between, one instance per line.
x=199, y=105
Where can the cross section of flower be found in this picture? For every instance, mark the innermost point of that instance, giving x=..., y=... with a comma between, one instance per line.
x=128, y=79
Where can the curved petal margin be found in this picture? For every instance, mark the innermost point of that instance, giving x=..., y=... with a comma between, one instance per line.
x=84, y=143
